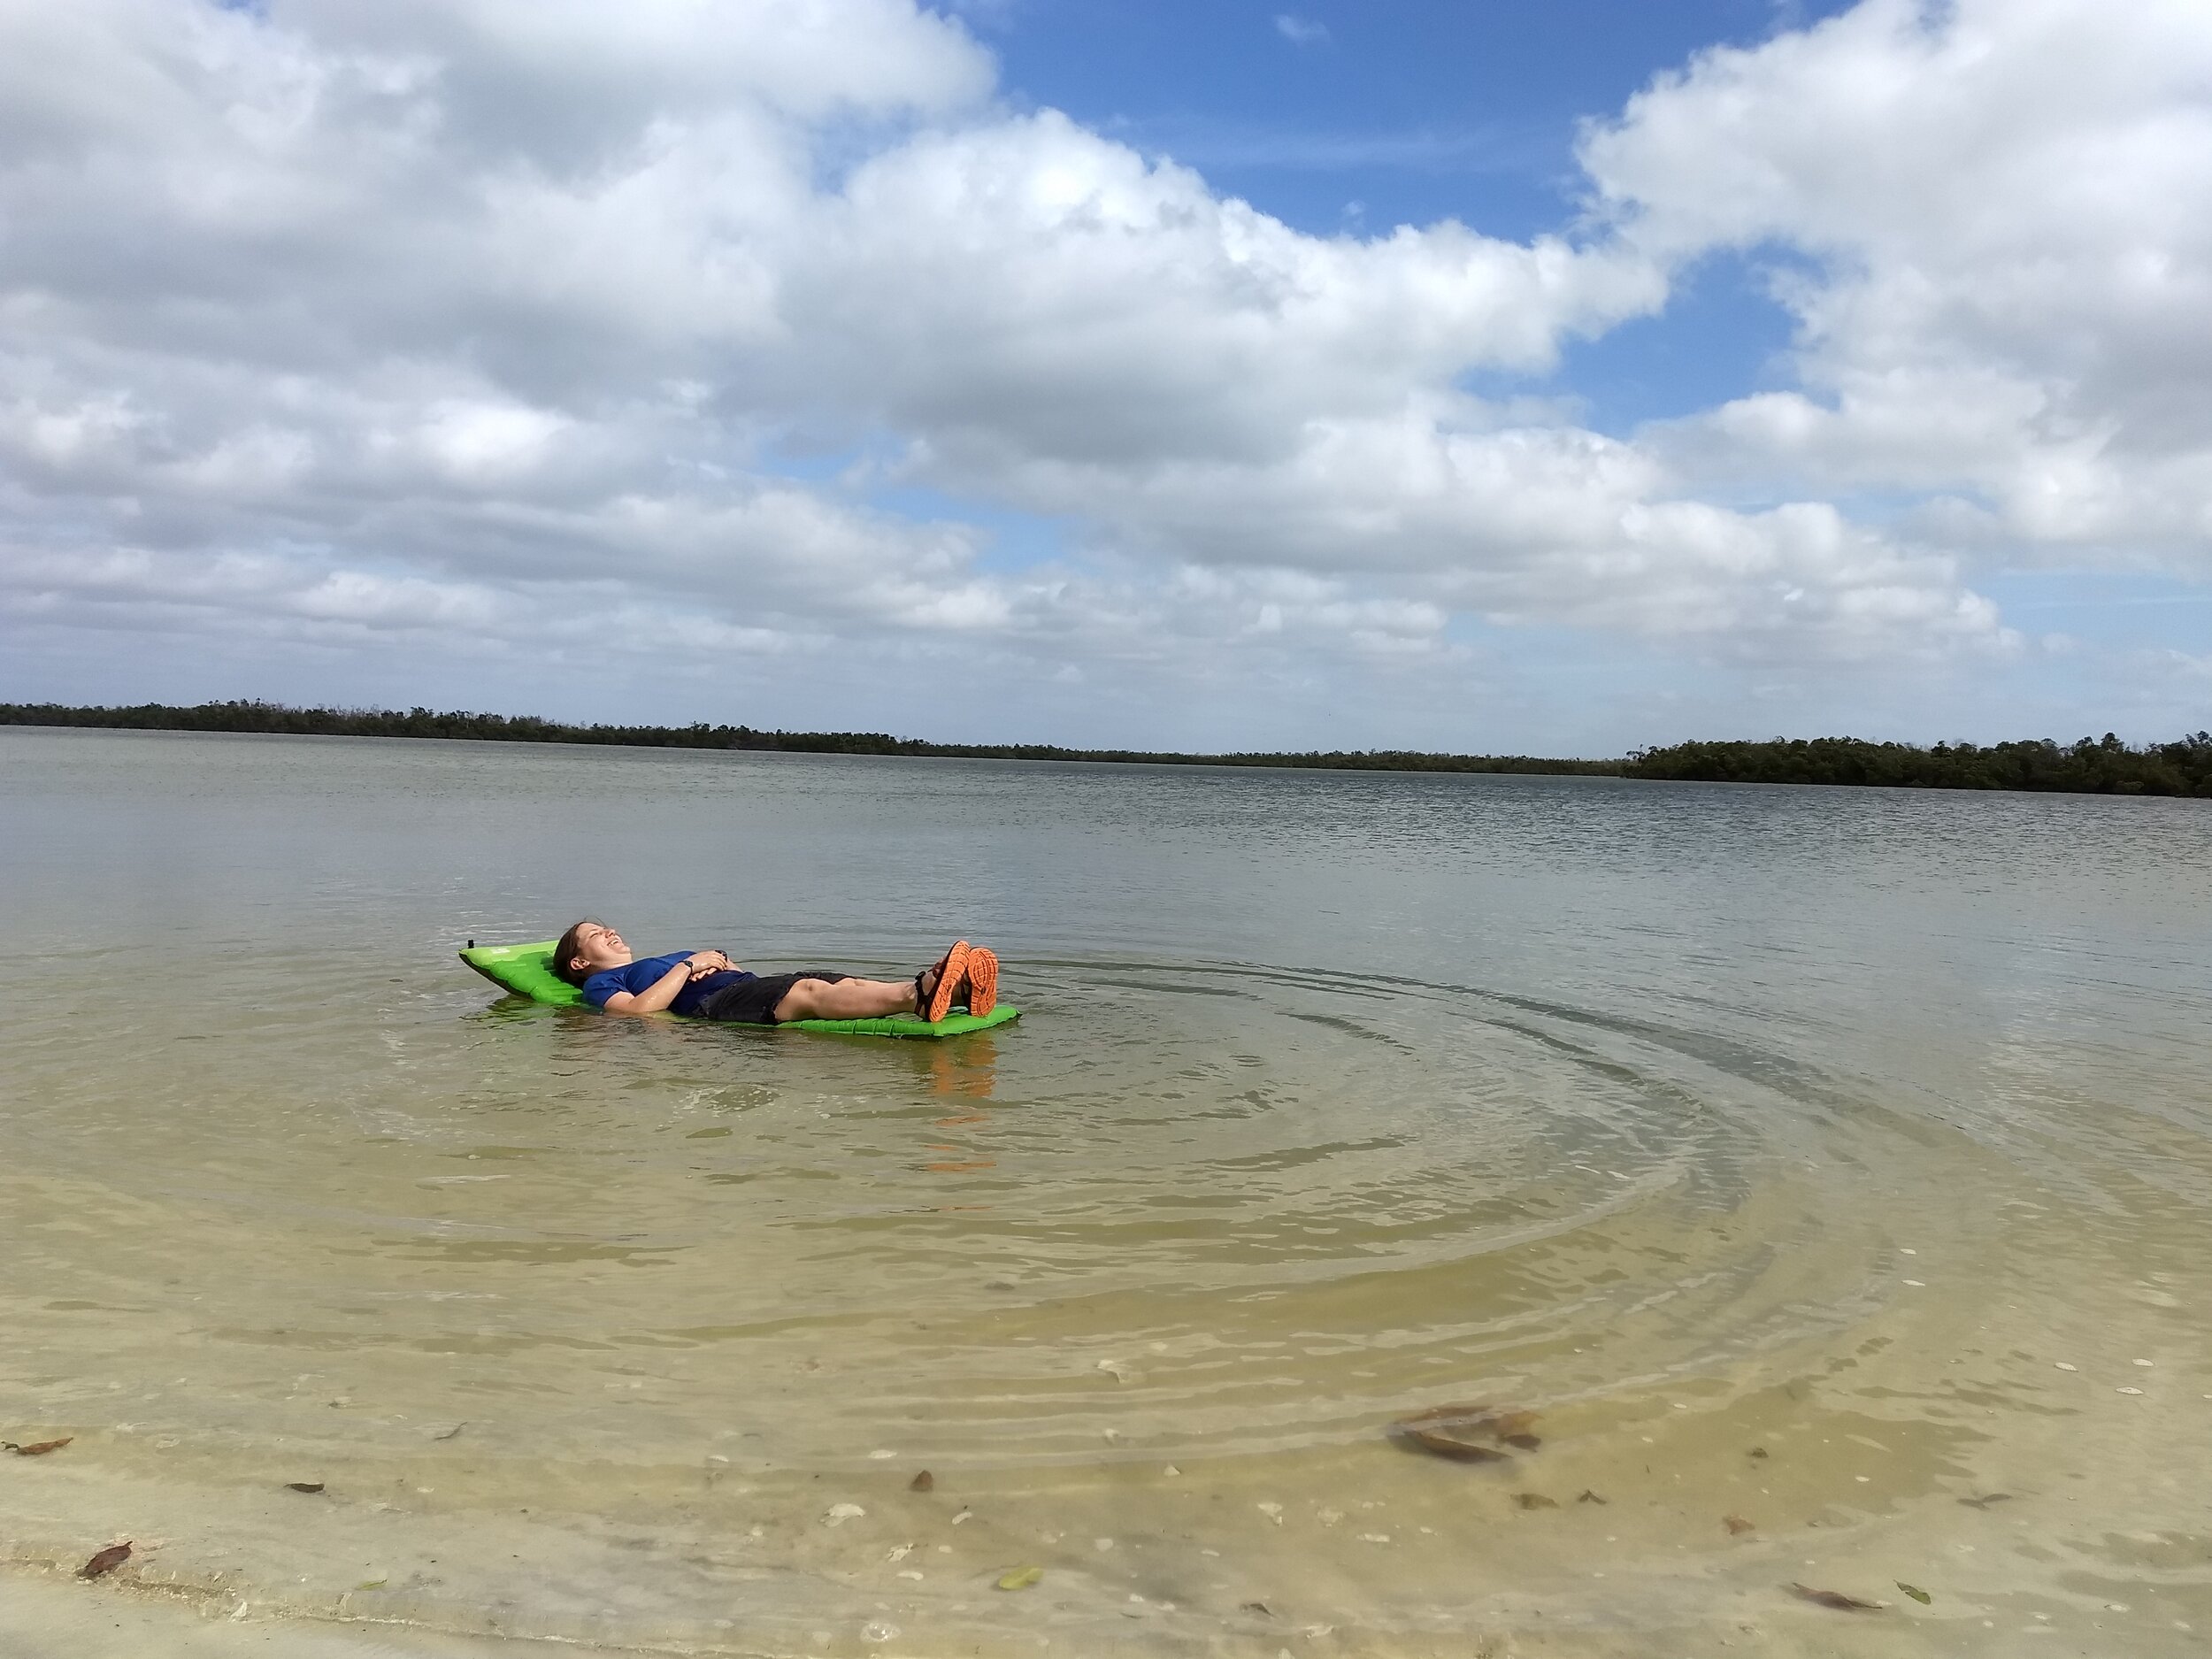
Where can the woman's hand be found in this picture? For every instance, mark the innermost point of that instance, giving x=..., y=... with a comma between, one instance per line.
x=656, y=1000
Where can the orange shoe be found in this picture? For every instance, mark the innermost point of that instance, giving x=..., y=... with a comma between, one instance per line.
x=952, y=974
x=982, y=981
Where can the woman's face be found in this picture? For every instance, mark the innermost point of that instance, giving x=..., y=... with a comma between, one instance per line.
x=600, y=948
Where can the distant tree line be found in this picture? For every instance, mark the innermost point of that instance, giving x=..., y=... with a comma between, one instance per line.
x=2091, y=766
x=277, y=718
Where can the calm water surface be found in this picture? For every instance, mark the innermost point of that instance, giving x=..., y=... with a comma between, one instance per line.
x=1814, y=1161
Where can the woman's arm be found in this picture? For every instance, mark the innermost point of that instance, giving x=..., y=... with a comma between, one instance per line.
x=663, y=992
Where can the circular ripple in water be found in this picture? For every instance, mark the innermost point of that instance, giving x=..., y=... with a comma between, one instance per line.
x=1215, y=1208
x=1264, y=1209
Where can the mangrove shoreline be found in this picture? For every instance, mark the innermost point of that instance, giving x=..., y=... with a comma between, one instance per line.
x=2089, y=766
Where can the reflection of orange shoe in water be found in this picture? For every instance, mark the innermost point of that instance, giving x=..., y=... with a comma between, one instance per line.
x=982, y=981
x=952, y=974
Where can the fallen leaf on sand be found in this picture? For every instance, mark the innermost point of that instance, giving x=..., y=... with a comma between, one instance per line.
x=1916, y=1591
x=1020, y=1578
x=38, y=1449
x=1535, y=1501
x=923, y=1482
x=1736, y=1524
x=303, y=1485
x=1987, y=1498
x=1589, y=1496
x=1468, y=1434
x=107, y=1561
x=1835, y=1598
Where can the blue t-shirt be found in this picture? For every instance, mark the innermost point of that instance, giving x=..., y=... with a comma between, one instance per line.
x=640, y=977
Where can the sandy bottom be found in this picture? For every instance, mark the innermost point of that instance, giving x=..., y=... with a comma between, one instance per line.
x=2097, y=1546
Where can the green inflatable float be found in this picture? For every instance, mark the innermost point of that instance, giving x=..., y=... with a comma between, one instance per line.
x=527, y=970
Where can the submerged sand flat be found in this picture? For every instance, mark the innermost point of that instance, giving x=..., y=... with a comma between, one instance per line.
x=1834, y=1165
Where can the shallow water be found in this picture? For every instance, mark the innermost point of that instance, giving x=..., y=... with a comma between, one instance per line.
x=1819, y=1158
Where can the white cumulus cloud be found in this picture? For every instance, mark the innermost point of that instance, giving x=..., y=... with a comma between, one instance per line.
x=2005, y=210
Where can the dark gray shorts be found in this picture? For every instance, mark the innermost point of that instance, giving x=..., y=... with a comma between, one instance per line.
x=754, y=1003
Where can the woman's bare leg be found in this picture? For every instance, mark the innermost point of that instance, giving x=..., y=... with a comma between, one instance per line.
x=845, y=999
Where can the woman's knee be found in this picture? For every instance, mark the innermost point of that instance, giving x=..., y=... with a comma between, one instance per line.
x=802, y=1001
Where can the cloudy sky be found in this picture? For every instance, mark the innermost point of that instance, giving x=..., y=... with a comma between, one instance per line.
x=1551, y=375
